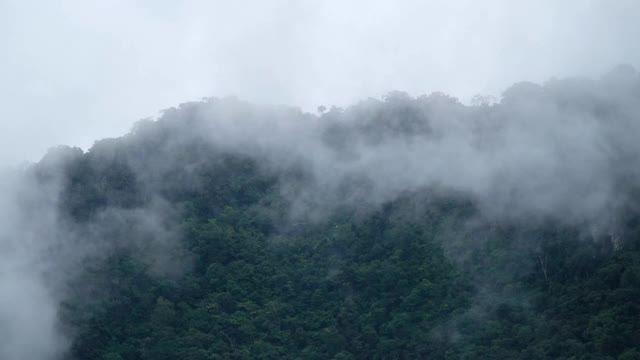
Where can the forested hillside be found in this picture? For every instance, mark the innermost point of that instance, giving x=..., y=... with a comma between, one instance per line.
x=402, y=228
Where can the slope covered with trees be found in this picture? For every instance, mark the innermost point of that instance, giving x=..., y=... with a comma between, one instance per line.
x=403, y=228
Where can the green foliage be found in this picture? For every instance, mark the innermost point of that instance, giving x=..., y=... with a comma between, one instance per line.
x=378, y=287
x=389, y=282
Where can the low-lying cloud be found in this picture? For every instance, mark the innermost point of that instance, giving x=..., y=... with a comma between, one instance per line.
x=564, y=150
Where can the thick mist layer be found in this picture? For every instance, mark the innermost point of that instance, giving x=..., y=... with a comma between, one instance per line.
x=565, y=150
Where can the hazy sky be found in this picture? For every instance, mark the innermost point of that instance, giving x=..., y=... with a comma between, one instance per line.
x=73, y=71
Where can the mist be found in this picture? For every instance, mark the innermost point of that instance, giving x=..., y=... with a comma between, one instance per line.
x=552, y=135
x=563, y=150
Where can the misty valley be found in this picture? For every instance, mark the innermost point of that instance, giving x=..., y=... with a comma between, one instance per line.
x=395, y=228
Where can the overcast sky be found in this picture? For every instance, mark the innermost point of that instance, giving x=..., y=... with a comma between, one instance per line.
x=76, y=71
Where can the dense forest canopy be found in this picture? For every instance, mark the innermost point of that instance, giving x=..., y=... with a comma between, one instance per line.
x=397, y=228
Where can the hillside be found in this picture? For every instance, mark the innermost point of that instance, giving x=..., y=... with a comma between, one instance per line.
x=401, y=228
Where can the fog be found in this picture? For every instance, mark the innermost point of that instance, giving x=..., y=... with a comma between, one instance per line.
x=73, y=71
x=563, y=150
